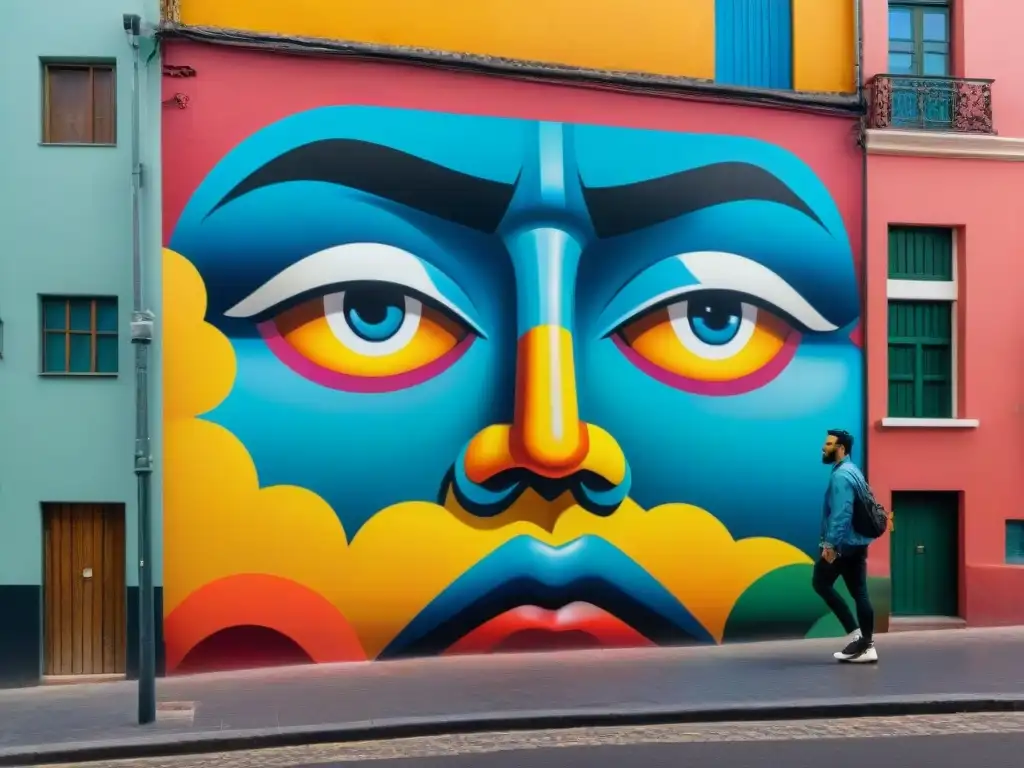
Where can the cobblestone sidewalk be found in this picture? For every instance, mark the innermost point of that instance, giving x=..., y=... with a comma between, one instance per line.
x=489, y=743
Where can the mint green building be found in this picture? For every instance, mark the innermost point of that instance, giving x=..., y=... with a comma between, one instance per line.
x=68, y=490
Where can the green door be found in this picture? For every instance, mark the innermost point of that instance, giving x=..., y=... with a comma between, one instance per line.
x=925, y=562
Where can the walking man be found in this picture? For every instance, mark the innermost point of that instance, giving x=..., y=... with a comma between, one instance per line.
x=844, y=551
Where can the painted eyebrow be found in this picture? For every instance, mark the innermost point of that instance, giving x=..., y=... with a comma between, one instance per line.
x=629, y=207
x=394, y=175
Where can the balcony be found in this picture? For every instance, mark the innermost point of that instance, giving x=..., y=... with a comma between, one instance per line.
x=914, y=102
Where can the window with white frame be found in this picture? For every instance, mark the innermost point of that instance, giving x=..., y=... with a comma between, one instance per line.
x=922, y=293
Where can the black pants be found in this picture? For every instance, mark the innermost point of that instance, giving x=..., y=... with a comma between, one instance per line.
x=852, y=565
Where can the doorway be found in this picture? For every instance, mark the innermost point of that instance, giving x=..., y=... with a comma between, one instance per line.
x=925, y=550
x=83, y=589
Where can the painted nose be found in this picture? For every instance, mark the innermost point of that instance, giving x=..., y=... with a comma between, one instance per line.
x=547, y=436
x=547, y=439
x=546, y=448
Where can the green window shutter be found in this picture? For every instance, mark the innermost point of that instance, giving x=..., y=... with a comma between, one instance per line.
x=921, y=359
x=920, y=253
x=1015, y=542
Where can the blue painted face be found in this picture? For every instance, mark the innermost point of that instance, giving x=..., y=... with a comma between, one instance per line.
x=620, y=312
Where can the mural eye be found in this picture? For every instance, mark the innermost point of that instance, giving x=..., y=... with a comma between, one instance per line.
x=711, y=337
x=371, y=330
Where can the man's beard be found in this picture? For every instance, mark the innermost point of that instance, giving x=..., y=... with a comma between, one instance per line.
x=828, y=458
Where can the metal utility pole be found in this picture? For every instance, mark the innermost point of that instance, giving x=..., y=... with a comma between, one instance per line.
x=142, y=337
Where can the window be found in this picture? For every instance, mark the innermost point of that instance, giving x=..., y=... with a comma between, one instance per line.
x=919, y=38
x=79, y=336
x=754, y=43
x=922, y=294
x=79, y=104
x=920, y=359
x=1015, y=542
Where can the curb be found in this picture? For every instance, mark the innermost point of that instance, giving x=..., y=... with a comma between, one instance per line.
x=175, y=745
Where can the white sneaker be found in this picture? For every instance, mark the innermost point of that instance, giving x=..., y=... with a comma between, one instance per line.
x=851, y=648
x=868, y=656
x=858, y=652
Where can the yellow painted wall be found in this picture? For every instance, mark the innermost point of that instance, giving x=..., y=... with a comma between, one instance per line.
x=666, y=37
x=823, y=45
x=669, y=37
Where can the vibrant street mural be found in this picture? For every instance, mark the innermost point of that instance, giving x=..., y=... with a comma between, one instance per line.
x=442, y=383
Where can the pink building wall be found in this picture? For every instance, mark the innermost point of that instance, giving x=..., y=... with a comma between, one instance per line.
x=981, y=199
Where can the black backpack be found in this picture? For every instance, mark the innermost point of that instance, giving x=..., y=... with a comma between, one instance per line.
x=869, y=517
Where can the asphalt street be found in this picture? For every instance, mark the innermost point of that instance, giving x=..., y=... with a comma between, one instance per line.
x=942, y=741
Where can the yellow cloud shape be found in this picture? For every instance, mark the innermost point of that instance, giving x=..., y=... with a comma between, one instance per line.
x=199, y=363
x=219, y=522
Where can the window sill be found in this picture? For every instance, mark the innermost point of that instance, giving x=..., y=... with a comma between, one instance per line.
x=892, y=422
x=68, y=375
x=75, y=144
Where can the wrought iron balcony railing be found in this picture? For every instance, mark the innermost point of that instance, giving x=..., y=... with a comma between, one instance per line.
x=931, y=103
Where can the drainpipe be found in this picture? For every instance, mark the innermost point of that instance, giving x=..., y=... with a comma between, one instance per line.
x=858, y=27
x=862, y=138
x=142, y=337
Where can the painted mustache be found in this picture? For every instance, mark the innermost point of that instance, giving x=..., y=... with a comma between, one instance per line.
x=590, y=490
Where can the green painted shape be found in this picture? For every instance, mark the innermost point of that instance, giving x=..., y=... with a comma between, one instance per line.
x=825, y=627
x=879, y=590
x=780, y=604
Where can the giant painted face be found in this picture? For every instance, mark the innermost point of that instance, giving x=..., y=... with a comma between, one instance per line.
x=579, y=349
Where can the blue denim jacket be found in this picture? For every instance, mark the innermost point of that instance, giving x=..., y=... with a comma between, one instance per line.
x=844, y=483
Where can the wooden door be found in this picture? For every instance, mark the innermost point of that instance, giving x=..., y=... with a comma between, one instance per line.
x=84, y=589
x=925, y=560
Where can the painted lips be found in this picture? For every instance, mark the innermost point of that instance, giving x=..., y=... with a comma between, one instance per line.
x=527, y=628
x=528, y=595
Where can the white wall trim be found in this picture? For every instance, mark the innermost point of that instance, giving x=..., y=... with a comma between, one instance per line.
x=891, y=422
x=921, y=290
x=968, y=146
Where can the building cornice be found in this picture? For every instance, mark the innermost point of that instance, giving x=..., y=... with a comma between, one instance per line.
x=966, y=146
x=848, y=105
